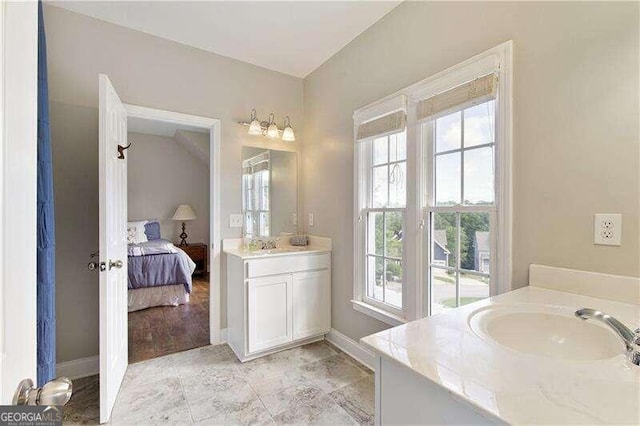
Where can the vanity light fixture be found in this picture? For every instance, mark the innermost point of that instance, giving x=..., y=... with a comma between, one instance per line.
x=269, y=128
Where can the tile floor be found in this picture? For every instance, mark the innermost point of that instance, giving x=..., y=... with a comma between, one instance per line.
x=311, y=384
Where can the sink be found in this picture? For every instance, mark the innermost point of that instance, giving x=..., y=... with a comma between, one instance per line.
x=547, y=331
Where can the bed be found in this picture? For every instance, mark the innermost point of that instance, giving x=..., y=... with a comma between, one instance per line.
x=159, y=274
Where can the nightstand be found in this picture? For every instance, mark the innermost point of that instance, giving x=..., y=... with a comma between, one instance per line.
x=198, y=253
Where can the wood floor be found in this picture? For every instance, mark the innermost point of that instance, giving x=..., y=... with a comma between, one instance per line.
x=164, y=330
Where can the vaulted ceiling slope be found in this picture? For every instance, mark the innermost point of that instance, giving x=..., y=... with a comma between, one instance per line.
x=292, y=37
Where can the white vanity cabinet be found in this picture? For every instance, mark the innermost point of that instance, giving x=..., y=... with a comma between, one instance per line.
x=276, y=302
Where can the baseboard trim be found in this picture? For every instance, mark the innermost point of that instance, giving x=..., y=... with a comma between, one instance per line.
x=352, y=348
x=78, y=368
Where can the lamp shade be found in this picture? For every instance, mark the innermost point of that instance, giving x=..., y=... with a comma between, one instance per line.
x=184, y=212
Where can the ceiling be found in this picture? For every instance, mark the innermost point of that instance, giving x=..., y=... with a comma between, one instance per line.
x=158, y=127
x=293, y=37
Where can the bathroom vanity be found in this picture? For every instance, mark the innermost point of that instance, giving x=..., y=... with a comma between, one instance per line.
x=277, y=298
x=523, y=357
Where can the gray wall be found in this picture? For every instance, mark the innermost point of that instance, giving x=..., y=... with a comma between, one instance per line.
x=575, y=125
x=161, y=175
x=147, y=71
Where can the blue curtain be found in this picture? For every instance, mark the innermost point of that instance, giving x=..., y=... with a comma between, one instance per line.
x=46, y=282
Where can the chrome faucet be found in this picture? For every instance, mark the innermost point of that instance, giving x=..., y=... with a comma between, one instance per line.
x=631, y=338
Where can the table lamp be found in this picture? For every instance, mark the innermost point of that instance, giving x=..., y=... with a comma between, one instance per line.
x=183, y=213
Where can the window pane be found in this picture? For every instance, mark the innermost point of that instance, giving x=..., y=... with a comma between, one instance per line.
x=478, y=176
x=380, y=186
x=449, y=132
x=375, y=285
x=473, y=288
x=264, y=198
x=393, y=286
x=393, y=235
x=447, y=179
x=398, y=147
x=397, y=185
x=375, y=241
x=475, y=236
x=479, y=124
x=265, y=230
x=444, y=240
x=443, y=290
x=380, y=150
x=248, y=224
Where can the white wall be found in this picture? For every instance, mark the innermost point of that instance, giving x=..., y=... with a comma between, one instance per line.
x=576, y=120
x=162, y=174
x=147, y=71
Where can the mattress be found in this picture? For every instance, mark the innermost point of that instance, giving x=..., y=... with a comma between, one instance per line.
x=166, y=295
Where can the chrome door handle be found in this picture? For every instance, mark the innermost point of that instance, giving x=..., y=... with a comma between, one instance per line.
x=100, y=266
x=117, y=264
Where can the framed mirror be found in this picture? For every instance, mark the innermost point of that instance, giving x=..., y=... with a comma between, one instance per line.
x=269, y=192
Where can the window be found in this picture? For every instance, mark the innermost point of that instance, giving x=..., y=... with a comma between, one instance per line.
x=432, y=190
x=384, y=214
x=255, y=196
x=461, y=206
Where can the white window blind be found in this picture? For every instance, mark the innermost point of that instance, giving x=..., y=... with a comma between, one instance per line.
x=472, y=93
x=382, y=126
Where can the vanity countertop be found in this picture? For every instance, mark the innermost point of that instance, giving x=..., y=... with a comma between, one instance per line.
x=516, y=387
x=317, y=245
x=281, y=251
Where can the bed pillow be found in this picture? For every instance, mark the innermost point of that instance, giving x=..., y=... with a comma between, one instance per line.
x=135, y=232
x=152, y=230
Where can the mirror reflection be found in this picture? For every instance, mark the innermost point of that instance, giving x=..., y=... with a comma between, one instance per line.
x=269, y=192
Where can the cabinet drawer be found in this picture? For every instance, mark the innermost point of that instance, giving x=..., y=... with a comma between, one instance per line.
x=287, y=264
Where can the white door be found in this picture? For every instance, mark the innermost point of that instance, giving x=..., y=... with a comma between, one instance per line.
x=270, y=300
x=18, y=180
x=113, y=246
x=311, y=303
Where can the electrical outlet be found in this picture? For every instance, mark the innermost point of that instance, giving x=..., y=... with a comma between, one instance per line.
x=607, y=229
x=310, y=219
x=235, y=220
x=294, y=218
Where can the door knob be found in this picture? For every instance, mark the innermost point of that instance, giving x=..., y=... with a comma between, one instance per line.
x=55, y=392
x=96, y=265
x=117, y=264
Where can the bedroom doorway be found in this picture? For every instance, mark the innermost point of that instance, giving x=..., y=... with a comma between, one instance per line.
x=155, y=331
x=168, y=237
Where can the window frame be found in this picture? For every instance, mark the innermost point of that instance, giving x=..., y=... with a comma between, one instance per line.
x=416, y=236
x=428, y=131
x=381, y=310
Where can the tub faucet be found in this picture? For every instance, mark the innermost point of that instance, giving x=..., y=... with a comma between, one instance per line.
x=631, y=338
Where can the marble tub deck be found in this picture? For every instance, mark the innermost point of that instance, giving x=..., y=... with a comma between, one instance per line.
x=311, y=384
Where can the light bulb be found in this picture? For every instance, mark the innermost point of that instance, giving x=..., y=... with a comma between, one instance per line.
x=287, y=133
x=272, y=130
x=255, y=128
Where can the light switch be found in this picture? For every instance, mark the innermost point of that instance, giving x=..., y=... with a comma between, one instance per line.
x=607, y=229
x=235, y=220
x=310, y=219
x=294, y=218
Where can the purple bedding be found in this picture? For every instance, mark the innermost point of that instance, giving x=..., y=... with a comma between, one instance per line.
x=158, y=266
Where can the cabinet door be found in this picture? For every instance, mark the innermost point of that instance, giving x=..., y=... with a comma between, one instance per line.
x=311, y=303
x=269, y=313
